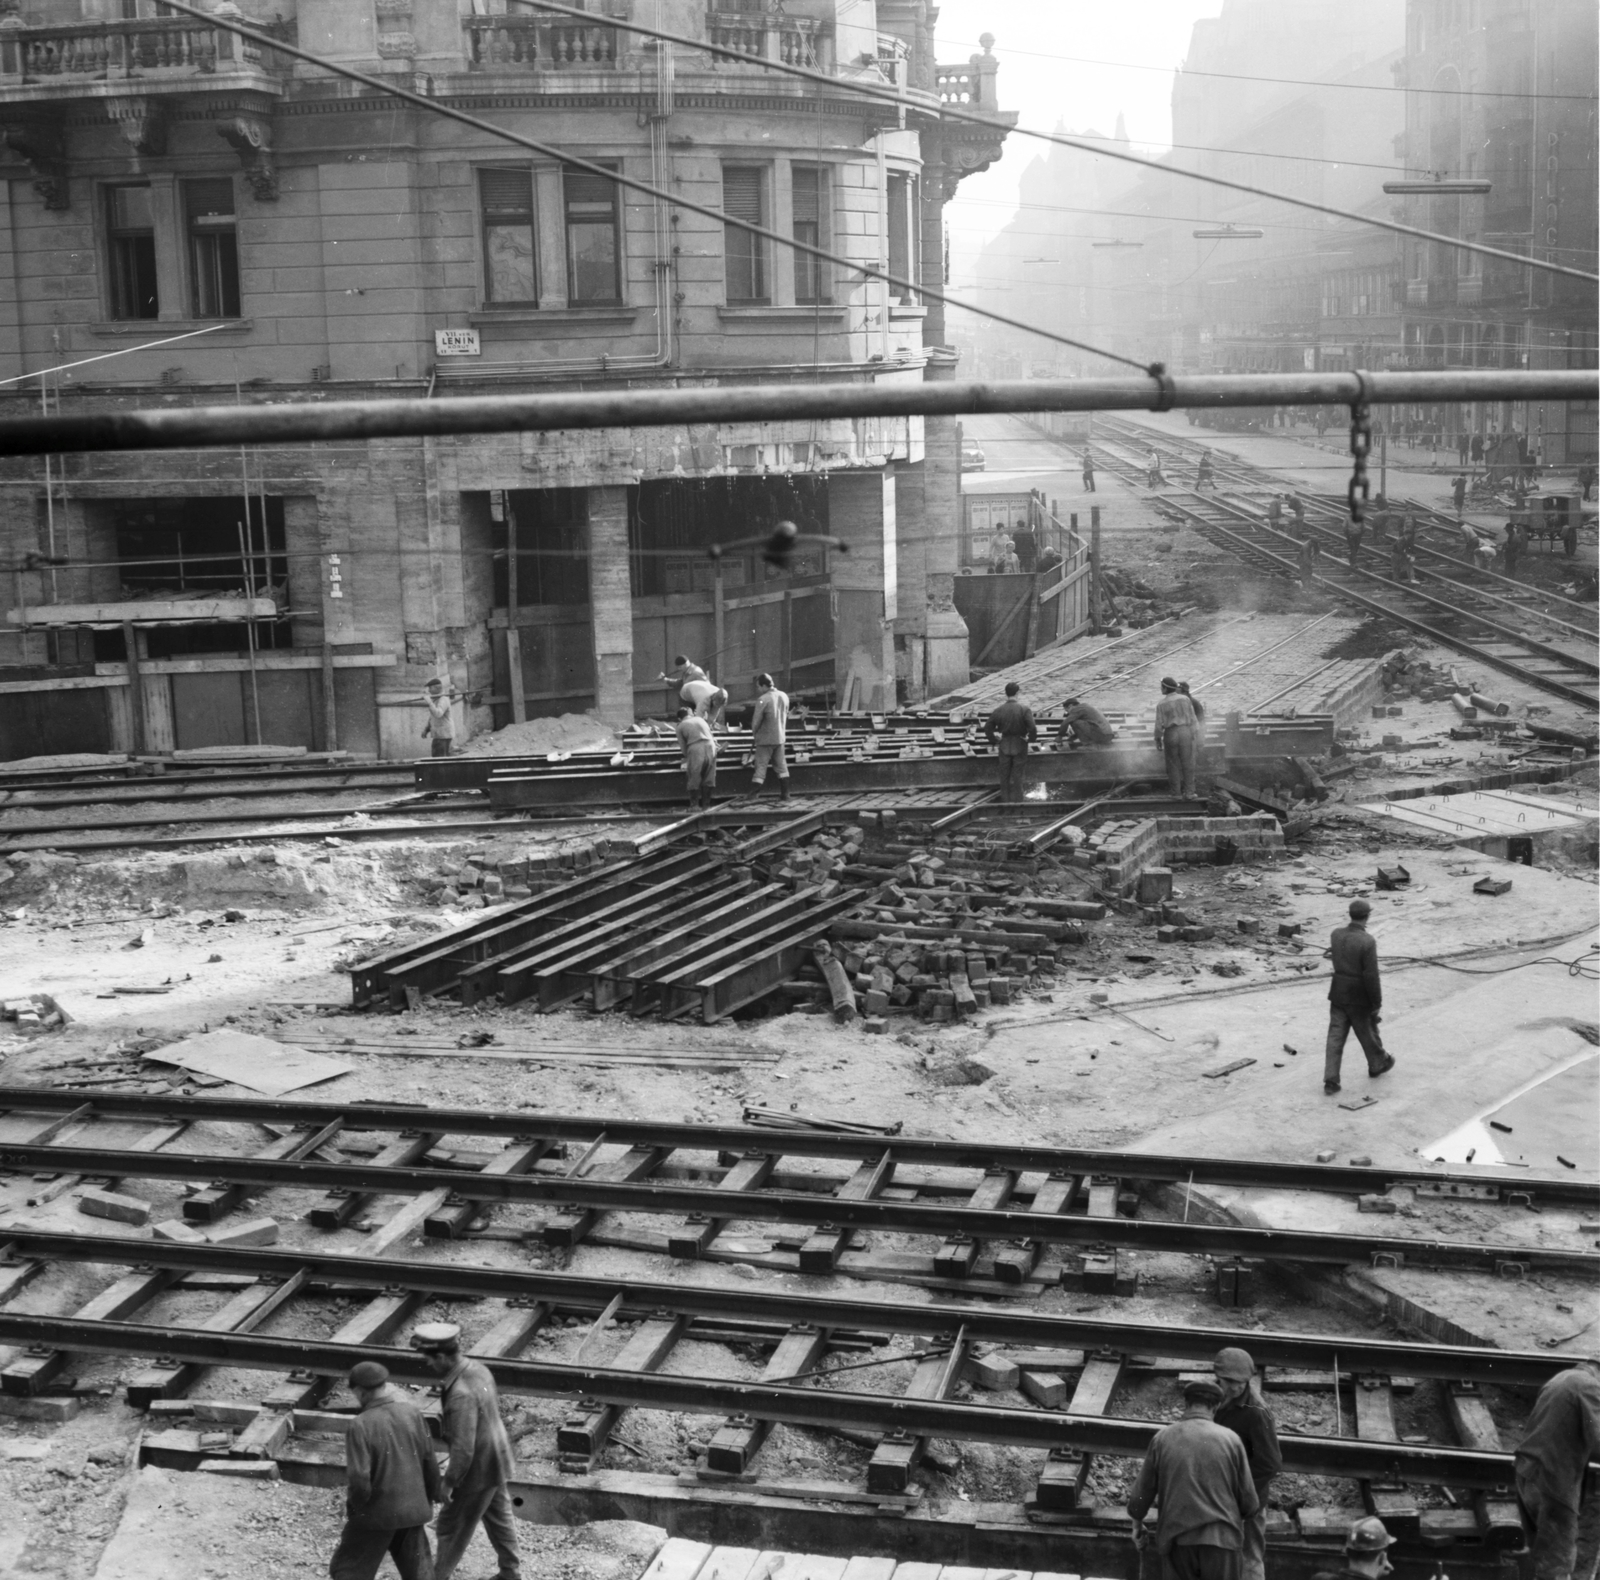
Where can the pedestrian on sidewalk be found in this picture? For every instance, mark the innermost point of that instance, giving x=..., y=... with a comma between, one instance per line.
x=392, y=1483
x=769, y=730
x=1366, y=1553
x=1010, y=728
x=1463, y=447
x=699, y=757
x=1557, y=1493
x=1196, y=1473
x=1177, y=732
x=481, y=1461
x=1244, y=1412
x=1088, y=473
x=1477, y=451
x=1355, y=998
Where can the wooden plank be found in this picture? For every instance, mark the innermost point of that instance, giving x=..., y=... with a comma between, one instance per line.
x=820, y=1252
x=957, y=1255
x=1498, y=1518
x=679, y=1559
x=735, y=1444
x=863, y=1568
x=569, y=1228
x=1065, y=1476
x=66, y=683
x=1375, y=1423
x=31, y=1372
x=898, y=1454
x=730, y=1563
x=1055, y=1195
x=582, y=1437
x=751, y=1172
x=454, y=1216
x=144, y=611
x=800, y=1566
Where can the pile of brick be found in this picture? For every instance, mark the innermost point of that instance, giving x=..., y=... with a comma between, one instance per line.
x=487, y=875
x=1118, y=852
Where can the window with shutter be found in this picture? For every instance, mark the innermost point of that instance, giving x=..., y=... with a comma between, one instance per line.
x=810, y=184
x=744, y=198
x=510, y=263
x=593, y=256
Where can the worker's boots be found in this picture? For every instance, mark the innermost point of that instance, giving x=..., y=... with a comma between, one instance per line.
x=783, y=789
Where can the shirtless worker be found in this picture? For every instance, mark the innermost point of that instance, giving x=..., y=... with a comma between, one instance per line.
x=1177, y=737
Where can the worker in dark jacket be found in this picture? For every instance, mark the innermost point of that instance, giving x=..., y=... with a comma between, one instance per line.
x=1177, y=737
x=1244, y=1412
x=481, y=1461
x=1557, y=1492
x=1085, y=726
x=1196, y=1472
x=1355, y=998
x=1366, y=1553
x=1013, y=725
x=393, y=1483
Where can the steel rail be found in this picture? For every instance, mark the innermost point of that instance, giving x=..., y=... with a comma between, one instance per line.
x=1248, y=549
x=794, y=1404
x=934, y=1222
x=902, y=1149
x=282, y=422
x=984, y=1323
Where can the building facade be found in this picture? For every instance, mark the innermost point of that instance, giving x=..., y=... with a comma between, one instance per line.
x=317, y=240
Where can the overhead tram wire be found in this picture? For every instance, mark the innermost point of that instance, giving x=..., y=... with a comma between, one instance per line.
x=990, y=123
x=608, y=173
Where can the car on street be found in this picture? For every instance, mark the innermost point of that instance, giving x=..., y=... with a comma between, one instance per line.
x=972, y=457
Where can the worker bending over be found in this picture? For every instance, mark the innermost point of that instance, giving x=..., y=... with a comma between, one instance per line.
x=699, y=756
x=1556, y=1490
x=696, y=689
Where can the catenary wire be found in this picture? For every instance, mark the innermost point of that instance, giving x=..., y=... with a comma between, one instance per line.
x=616, y=176
x=990, y=123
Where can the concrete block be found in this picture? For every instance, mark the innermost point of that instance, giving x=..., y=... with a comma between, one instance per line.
x=242, y=1469
x=1382, y=1204
x=21, y=1408
x=175, y=1230
x=993, y=1371
x=1288, y=929
x=1250, y=925
x=1168, y=935
x=1048, y=1389
x=876, y=1025
x=253, y=1231
x=112, y=1204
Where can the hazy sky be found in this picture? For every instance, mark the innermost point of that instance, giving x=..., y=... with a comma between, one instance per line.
x=1045, y=48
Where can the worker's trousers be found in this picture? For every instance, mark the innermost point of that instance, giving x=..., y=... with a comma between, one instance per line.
x=1200, y=1563
x=1565, y=1542
x=1253, y=1559
x=460, y=1517
x=1179, y=746
x=360, y=1552
x=1013, y=776
x=1341, y=1022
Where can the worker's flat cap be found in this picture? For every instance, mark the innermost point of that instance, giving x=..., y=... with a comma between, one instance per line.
x=368, y=1374
x=1360, y=908
x=1202, y=1390
x=1168, y=683
x=436, y=1336
x=1234, y=1364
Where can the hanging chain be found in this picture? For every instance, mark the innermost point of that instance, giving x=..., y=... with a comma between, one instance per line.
x=1360, y=447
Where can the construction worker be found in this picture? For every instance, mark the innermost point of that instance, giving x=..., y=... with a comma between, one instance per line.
x=1275, y=513
x=1088, y=474
x=1083, y=725
x=1196, y=1472
x=769, y=729
x=1366, y=1553
x=1355, y=998
x=1011, y=727
x=1556, y=1492
x=1297, y=507
x=1353, y=532
x=696, y=689
x=1203, y=473
x=441, y=726
x=1309, y=552
x=1513, y=547
x=1153, y=476
x=481, y=1461
x=1378, y=518
x=699, y=756
x=1177, y=737
x=1244, y=1412
x=393, y=1483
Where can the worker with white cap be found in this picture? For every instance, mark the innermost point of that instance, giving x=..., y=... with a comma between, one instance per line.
x=393, y=1482
x=1196, y=1472
x=1366, y=1553
x=481, y=1461
x=1244, y=1412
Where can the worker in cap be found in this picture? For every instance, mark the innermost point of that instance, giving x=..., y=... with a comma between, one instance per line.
x=1196, y=1473
x=1558, y=1495
x=1355, y=998
x=1177, y=737
x=393, y=1483
x=1085, y=725
x=1244, y=1412
x=1366, y=1553
x=480, y=1461
x=1010, y=729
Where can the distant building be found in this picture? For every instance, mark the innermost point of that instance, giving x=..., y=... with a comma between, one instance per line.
x=1504, y=90
x=165, y=177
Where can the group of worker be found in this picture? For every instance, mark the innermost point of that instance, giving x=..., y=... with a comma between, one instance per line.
x=1209, y=1474
x=1012, y=730
x=704, y=704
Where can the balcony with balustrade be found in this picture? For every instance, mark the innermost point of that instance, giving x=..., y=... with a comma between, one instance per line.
x=513, y=43
x=171, y=56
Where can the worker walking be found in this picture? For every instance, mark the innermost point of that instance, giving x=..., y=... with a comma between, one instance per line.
x=1556, y=1492
x=1088, y=474
x=1355, y=998
x=1203, y=473
x=769, y=729
x=1366, y=1553
x=1012, y=724
x=1177, y=737
x=1197, y=1473
x=1153, y=476
x=481, y=1461
x=393, y=1483
x=699, y=756
x=1083, y=725
x=1244, y=1412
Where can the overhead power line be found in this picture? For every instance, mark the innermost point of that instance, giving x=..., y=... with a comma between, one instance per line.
x=608, y=173
x=991, y=123
x=1307, y=82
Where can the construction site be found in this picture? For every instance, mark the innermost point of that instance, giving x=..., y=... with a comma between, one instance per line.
x=420, y=923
